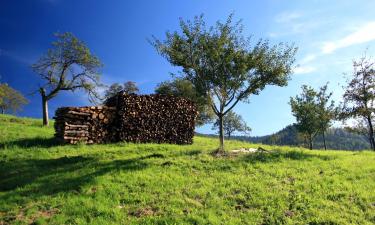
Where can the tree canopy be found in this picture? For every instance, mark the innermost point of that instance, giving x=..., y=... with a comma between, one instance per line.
x=11, y=100
x=68, y=66
x=128, y=87
x=223, y=65
x=314, y=112
x=359, y=97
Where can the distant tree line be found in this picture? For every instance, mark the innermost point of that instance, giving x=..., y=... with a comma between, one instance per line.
x=335, y=138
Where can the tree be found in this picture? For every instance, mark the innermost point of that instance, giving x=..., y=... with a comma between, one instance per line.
x=314, y=112
x=326, y=111
x=128, y=87
x=232, y=123
x=67, y=66
x=10, y=99
x=184, y=88
x=223, y=66
x=305, y=109
x=359, y=97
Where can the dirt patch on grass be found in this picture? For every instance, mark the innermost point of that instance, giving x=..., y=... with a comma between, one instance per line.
x=147, y=211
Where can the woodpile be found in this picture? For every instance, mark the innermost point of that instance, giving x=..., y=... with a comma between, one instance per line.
x=131, y=118
x=154, y=118
x=85, y=124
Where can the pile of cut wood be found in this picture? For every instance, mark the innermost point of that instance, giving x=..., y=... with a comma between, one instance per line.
x=131, y=118
x=85, y=124
x=154, y=118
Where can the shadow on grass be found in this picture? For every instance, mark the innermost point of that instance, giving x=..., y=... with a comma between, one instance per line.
x=31, y=142
x=275, y=156
x=39, y=177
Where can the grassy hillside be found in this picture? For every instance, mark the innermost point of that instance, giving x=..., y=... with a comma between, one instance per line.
x=45, y=183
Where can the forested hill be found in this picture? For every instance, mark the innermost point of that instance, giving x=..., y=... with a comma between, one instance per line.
x=336, y=138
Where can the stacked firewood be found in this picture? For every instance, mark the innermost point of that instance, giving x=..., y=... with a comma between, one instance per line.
x=154, y=118
x=131, y=118
x=85, y=124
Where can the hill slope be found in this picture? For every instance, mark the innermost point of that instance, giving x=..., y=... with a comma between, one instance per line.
x=43, y=182
x=336, y=138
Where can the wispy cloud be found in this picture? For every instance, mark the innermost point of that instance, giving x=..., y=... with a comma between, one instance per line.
x=363, y=34
x=294, y=22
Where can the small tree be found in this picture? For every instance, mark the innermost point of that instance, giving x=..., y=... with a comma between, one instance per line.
x=128, y=87
x=232, y=123
x=304, y=108
x=359, y=97
x=184, y=88
x=67, y=66
x=10, y=99
x=314, y=112
x=222, y=64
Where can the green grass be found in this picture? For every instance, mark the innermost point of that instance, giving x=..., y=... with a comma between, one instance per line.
x=42, y=182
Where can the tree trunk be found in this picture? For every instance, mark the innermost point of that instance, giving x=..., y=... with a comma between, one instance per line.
x=310, y=142
x=371, y=133
x=221, y=132
x=369, y=140
x=45, y=107
x=324, y=141
x=2, y=111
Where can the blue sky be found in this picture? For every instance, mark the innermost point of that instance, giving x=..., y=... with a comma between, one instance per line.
x=329, y=34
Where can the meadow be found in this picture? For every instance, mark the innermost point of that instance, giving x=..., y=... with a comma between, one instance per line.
x=44, y=182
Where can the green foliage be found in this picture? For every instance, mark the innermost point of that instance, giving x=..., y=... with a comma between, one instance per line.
x=222, y=64
x=184, y=88
x=314, y=112
x=232, y=122
x=359, y=98
x=68, y=66
x=128, y=87
x=10, y=99
x=124, y=183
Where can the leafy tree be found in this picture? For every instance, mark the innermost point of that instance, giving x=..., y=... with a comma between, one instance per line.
x=232, y=123
x=223, y=65
x=184, y=88
x=10, y=99
x=314, y=112
x=304, y=108
x=67, y=66
x=359, y=97
x=128, y=87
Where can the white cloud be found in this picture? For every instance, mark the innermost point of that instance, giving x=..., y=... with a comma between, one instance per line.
x=304, y=69
x=363, y=34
